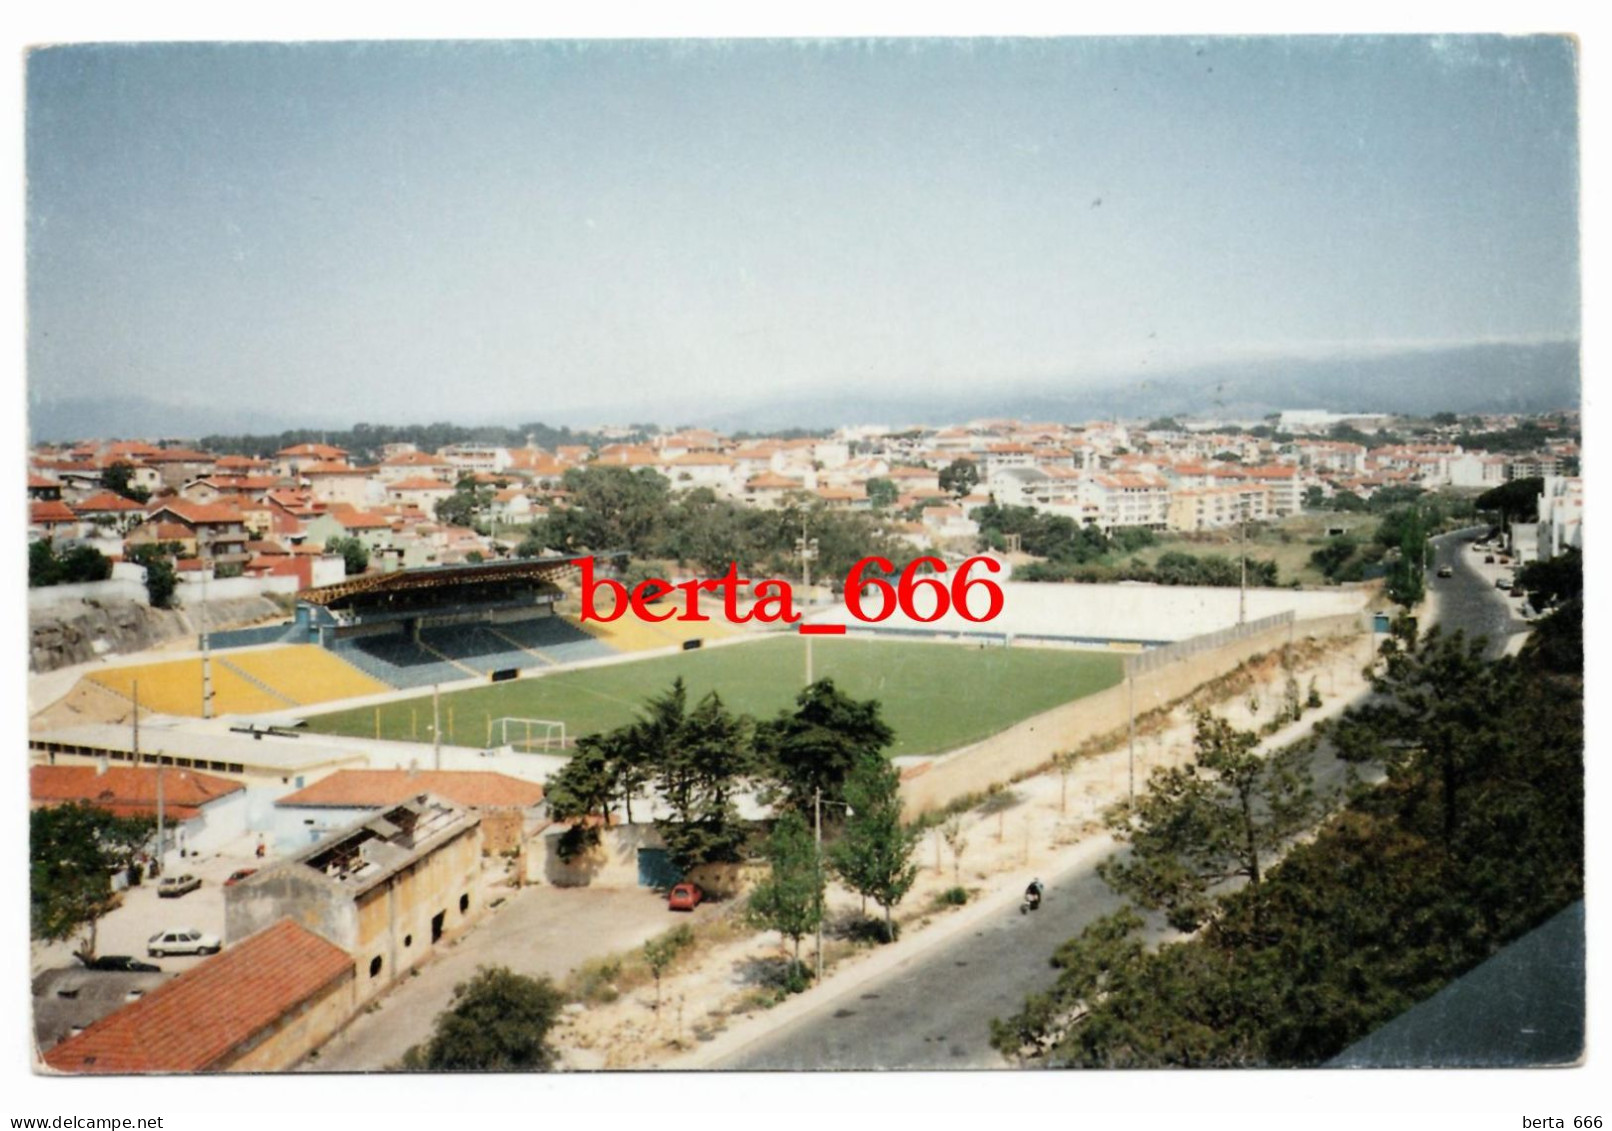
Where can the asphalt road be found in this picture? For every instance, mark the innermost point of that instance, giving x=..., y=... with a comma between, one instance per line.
x=1469, y=601
x=934, y=1011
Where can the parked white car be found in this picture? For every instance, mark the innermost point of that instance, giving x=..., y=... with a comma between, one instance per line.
x=186, y=940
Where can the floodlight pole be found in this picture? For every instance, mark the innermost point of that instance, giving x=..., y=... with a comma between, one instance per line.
x=206, y=651
x=807, y=548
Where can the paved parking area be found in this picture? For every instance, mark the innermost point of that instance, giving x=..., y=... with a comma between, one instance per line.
x=143, y=913
x=536, y=931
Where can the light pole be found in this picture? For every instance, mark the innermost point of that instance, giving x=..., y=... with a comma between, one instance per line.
x=817, y=822
x=1242, y=574
x=807, y=549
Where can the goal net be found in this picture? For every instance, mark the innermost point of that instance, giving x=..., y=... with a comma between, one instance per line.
x=527, y=735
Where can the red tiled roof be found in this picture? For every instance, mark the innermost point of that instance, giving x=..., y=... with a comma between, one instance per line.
x=194, y=1022
x=421, y=484
x=178, y=455
x=50, y=510
x=478, y=789
x=133, y=786
x=318, y=451
x=107, y=501
x=199, y=513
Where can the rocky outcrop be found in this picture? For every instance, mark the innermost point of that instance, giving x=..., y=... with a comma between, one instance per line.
x=83, y=630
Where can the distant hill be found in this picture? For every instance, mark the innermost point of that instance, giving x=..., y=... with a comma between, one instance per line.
x=131, y=417
x=1478, y=378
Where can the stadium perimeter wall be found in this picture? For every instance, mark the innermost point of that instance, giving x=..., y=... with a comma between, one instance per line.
x=1033, y=742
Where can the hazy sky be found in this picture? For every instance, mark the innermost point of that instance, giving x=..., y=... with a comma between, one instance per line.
x=517, y=231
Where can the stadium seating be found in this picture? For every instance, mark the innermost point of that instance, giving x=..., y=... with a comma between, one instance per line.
x=174, y=687
x=396, y=660
x=305, y=673
x=555, y=639
x=478, y=647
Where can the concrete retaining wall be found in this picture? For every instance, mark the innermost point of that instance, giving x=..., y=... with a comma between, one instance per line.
x=53, y=598
x=1033, y=742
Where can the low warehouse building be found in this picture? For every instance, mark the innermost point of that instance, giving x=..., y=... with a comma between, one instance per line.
x=387, y=889
x=260, y=1006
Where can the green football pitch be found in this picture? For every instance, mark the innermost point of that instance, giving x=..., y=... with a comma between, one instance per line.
x=934, y=696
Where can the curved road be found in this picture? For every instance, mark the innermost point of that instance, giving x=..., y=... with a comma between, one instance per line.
x=934, y=1010
x=1469, y=601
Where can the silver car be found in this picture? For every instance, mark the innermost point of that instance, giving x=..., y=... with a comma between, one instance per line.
x=185, y=940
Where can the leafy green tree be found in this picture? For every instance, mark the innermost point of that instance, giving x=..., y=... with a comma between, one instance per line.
x=162, y=579
x=662, y=950
x=583, y=788
x=466, y=505
x=701, y=760
x=1553, y=580
x=43, y=568
x=498, y=1021
x=815, y=746
x=611, y=508
x=1407, y=577
x=117, y=478
x=1332, y=557
x=1517, y=501
x=1314, y=498
x=959, y=477
x=882, y=494
x=790, y=899
x=354, y=554
x=1430, y=721
x=1105, y=952
x=874, y=852
x=78, y=563
x=1219, y=817
x=1347, y=501
x=73, y=850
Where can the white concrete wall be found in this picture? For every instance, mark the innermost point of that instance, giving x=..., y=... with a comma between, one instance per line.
x=60, y=596
x=1122, y=612
x=190, y=594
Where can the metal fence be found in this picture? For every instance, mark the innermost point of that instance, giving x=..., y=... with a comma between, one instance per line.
x=1155, y=658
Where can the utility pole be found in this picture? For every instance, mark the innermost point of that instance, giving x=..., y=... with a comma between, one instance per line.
x=817, y=860
x=161, y=839
x=807, y=548
x=436, y=726
x=206, y=651
x=1242, y=577
x=1130, y=683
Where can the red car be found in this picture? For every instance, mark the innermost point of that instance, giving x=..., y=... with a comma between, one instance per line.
x=684, y=897
x=238, y=875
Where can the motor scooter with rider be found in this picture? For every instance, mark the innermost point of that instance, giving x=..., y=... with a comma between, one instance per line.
x=1032, y=897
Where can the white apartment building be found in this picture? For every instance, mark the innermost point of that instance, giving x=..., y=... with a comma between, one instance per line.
x=1128, y=500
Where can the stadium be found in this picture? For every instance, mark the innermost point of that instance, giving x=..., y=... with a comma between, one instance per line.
x=488, y=653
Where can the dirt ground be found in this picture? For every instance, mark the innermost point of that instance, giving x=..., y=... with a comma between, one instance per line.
x=1037, y=824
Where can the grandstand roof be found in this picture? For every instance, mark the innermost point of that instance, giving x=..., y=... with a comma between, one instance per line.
x=442, y=577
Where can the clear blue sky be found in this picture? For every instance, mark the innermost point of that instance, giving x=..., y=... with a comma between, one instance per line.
x=521, y=231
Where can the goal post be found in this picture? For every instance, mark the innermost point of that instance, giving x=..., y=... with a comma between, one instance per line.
x=529, y=735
